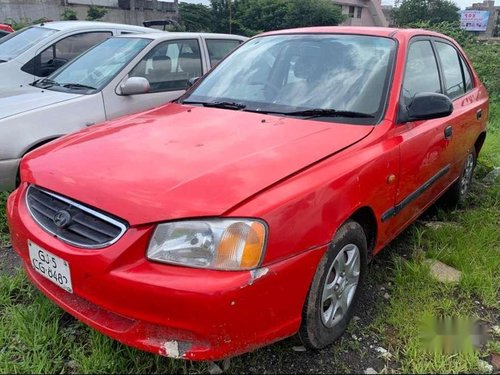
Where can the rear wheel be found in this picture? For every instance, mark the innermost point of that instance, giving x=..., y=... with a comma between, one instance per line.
x=335, y=288
x=457, y=193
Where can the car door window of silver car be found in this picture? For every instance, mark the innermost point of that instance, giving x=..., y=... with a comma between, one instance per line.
x=219, y=48
x=170, y=65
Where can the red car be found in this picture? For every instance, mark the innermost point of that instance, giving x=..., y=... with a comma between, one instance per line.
x=5, y=29
x=247, y=210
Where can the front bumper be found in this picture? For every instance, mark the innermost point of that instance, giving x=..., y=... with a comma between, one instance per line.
x=174, y=311
x=8, y=174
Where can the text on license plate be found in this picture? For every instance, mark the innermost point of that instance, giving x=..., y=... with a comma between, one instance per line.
x=50, y=266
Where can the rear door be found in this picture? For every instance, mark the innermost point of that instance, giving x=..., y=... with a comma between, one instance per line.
x=468, y=115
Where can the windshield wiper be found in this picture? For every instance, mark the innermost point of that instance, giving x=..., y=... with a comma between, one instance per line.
x=46, y=82
x=321, y=112
x=222, y=104
x=78, y=86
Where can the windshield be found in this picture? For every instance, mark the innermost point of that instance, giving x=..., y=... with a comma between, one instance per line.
x=330, y=77
x=19, y=42
x=97, y=67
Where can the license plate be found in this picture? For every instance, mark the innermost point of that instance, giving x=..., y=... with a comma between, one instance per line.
x=50, y=266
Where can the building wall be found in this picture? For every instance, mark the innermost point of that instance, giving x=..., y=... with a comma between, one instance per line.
x=52, y=10
x=371, y=12
x=494, y=19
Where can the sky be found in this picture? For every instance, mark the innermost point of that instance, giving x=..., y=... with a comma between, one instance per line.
x=462, y=4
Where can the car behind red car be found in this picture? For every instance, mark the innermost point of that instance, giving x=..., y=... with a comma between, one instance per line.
x=247, y=210
x=5, y=29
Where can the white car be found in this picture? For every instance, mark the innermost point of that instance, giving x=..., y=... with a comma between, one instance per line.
x=37, y=51
x=119, y=76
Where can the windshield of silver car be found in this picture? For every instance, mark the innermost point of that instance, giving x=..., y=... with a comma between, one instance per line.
x=19, y=42
x=94, y=69
x=329, y=77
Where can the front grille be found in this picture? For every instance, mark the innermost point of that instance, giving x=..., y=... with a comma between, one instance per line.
x=73, y=222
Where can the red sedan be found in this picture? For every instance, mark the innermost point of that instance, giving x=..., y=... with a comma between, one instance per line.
x=247, y=210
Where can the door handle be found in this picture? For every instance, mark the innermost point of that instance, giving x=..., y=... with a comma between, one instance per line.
x=479, y=114
x=448, y=132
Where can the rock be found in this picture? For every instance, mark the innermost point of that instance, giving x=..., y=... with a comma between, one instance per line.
x=384, y=353
x=434, y=224
x=226, y=364
x=443, y=272
x=355, y=318
x=492, y=176
x=370, y=370
x=299, y=349
x=387, y=295
x=495, y=361
x=484, y=367
x=214, y=369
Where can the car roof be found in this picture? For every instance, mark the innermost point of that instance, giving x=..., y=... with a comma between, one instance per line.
x=361, y=30
x=172, y=35
x=84, y=25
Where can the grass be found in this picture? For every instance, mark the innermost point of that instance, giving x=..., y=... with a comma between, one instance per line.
x=468, y=241
x=36, y=336
x=4, y=231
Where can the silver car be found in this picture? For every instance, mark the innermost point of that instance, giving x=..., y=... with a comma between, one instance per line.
x=119, y=76
x=37, y=51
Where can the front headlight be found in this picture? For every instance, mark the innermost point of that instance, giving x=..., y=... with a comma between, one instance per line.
x=225, y=244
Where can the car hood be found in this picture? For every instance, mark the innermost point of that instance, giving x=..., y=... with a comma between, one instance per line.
x=180, y=161
x=27, y=98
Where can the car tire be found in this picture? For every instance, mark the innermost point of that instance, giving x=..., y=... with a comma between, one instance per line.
x=457, y=193
x=335, y=288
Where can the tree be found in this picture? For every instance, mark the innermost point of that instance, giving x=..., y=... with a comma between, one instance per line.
x=195, y=17
x=250, y=17
x=95, y=13
x=431, y=11
x=68, y=15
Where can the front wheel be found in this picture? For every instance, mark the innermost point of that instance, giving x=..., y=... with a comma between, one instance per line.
x=335, y=288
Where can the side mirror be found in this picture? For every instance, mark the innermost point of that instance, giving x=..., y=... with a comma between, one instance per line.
x=192, y=81
x=134, y=86
x=426, y=106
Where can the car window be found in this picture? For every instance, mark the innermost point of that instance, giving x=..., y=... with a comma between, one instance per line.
x=170, y=65
x=3, y=33
x=467, y=75
x=290, y=73
x=96, y=67
x=19, y=42
x=421, y=72
x=65, y=50
x=452, y=70
x=219, y=48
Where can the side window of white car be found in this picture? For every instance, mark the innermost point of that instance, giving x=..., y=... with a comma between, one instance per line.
x=63, y=51
x=170, y=65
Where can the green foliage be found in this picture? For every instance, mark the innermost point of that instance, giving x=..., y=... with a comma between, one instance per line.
x=432, y=11
x=195, y=17
x=250, y=17
x=4, y=231
x=24, y=22
x=95, y=13
x=68, y=15
x=486, y=60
